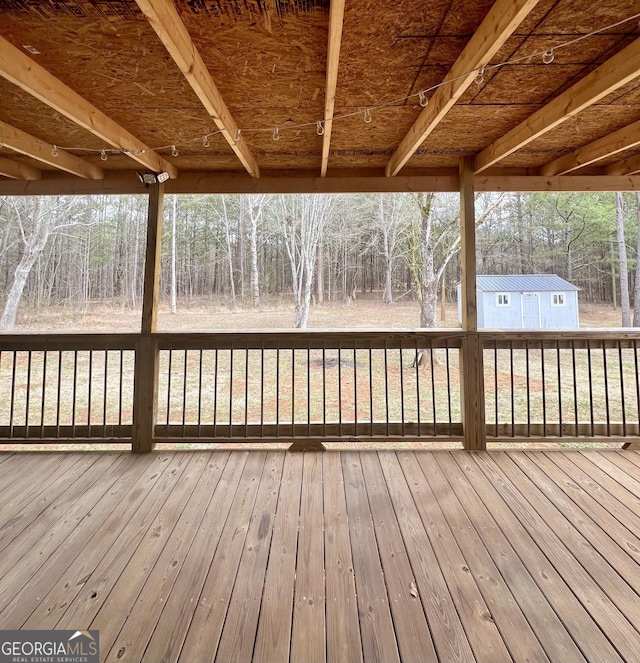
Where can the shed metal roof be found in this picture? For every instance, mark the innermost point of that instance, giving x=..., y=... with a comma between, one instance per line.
x=523, y=283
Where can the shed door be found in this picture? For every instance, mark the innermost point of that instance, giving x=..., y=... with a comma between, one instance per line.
x=530, y=310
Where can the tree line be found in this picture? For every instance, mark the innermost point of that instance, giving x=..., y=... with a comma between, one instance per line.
x=241, y=249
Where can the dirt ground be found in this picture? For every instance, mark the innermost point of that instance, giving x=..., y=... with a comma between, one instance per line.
x=366, y=312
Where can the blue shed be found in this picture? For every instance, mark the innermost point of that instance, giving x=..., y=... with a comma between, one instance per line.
x=527, y=301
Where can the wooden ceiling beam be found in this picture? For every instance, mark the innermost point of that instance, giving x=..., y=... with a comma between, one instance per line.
x=28, y=75
x=18, y=171
x=608, y=77
x=626, y=167
x=336, y=19
x=24, y=143
x=498, y=25
x=165, y=20
x=620, y=140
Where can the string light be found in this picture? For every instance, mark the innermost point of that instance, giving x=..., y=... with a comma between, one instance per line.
x=547, y=57
x=205, y=141
x=103, y=155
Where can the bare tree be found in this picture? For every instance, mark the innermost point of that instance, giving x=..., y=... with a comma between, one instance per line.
x=37, y=219
x=256, y=209
x=302, y=219
x=622, y=256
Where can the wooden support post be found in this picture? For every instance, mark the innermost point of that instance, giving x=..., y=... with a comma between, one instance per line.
x=145, y=389
x=471, y=354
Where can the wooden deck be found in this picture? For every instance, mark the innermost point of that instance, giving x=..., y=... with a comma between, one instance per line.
x=343, y=557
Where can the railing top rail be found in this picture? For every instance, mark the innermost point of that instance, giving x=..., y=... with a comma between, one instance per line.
x=313, y=338
x=574, y=338
x=73, y=341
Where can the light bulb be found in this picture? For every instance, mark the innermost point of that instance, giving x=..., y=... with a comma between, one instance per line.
x=319, y=128
x=103, y=155
x=424, y=100
x=276, y=134
x=547, y=57
x=479, y=79
x=367, y=115
x=205, y=141
x=236, y=137
x=54, y=151
x=174, y=151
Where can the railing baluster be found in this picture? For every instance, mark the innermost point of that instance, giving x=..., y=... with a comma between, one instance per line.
x=184, y=390
x=58, y=399
x=528, y=376
x=433, y=390
x=559, y=388
x=293, y=392
x=386, y=386
x=495, y=382
x=575, y=388
x=231, y=351
x=415, y=347
x=308, y=389
x=105, y=387
x=89, y=393
x=27, y=395
x=622, y=399
x=637, y=381
x=513, y=393
x=544, y=391
x=355, y=391
x=606, y=387
x=278, y=389
x=75, y=388
x=120, y=389
x=324, y=388
x=246, y=389
x=199, y=433
x=590, y=386
x=169, y=371
x=44, y=384
x=370, y=390
x=13, y=391
x=400, y=359
x=446, y=349
x=262, y=350
x=215, y=394
x=339, y=390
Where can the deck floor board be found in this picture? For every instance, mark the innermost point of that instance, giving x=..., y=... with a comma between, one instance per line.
x=346, y=556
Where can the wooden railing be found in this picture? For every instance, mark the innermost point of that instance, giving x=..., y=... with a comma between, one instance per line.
x=316, y=385
x=308, y=385
x=565, y=386
x=66, y=387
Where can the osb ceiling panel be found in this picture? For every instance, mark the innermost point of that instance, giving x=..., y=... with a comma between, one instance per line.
x=268, y=59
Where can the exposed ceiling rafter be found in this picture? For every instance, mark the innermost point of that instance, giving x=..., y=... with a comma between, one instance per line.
x=608, y=77
x=28, y=75
x=498, y=25
x=165, y=20
x=24, y=143
x=336, y=19
x=626, y=167
x=618, y=141
x=18, y=171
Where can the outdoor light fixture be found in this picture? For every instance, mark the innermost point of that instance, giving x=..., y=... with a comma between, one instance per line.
x=153, y=178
